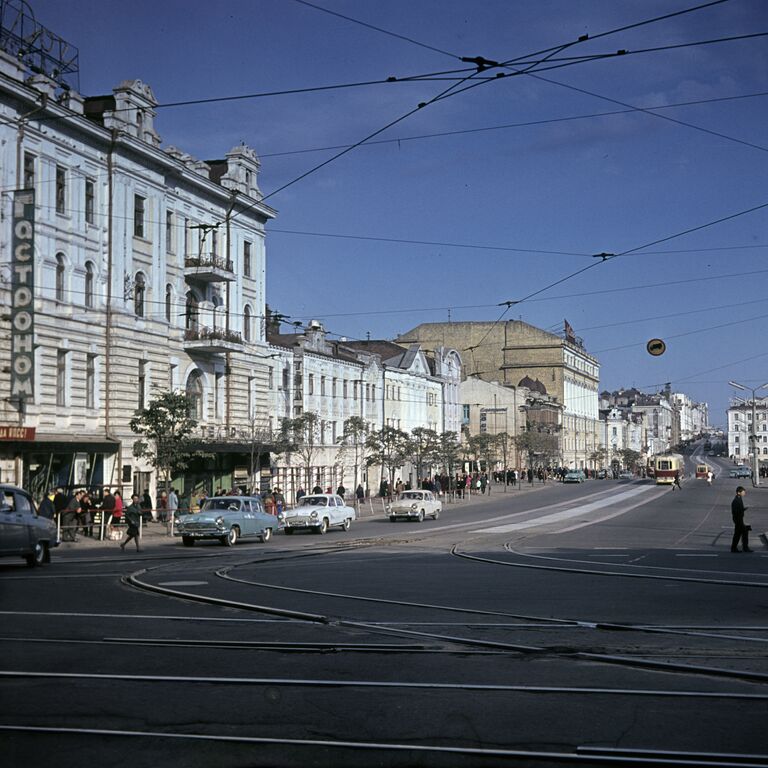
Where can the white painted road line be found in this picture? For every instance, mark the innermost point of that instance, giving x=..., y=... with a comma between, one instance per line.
x=569, y=514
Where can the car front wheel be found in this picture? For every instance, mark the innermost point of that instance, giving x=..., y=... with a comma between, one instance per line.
x=323, y=527
x=231, y=538
x=266, y=535
x=39, y=556
x=346, y=524
x=436, y=514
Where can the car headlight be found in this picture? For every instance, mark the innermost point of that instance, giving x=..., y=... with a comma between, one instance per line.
x=313, y=514
x=414, y=507
x=219, y=522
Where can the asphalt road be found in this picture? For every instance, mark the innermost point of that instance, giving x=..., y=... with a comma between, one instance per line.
x=558, y=625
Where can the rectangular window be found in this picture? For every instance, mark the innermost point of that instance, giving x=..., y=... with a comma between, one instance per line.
x=61, y=189
x=29, y=171
x=344, y=392
x=186, y=237
x=252, y=396
x=90, y=193
x=354, y=390
x=322, y=386
x=61, y=377
x=311, y=384
x=270, y=378
x=246, y=259
x=169, y=232
x=138, y=215
x=333, y=387
x=142, y=385
x=90, y=381
x=172, y=376
x=218, y=395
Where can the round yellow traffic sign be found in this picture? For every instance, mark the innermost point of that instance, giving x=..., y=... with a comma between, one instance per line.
x=656, y=347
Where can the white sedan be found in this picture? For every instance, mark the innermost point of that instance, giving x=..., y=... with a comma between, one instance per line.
x=415, y=505
x=318, y=513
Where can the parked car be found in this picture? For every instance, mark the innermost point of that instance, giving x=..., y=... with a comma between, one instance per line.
x=574, y=476
x=227, y=519
x=414, y=505
x=740, y=471
x=318, y=513
x=24, y=533
x=602, y=474
x=626, y=475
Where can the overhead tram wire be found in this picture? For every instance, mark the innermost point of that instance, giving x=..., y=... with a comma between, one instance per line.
x=610, y=257
x=453, y=91
x=376, y=29
x=526, y=124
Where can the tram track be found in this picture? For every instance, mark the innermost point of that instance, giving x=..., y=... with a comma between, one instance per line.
x=480, y=756
x=472, y=642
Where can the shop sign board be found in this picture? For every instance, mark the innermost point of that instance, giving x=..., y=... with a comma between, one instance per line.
x=23, y=296
x=11, y=432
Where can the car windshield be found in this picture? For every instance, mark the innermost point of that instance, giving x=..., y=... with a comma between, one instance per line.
x=411, y=495
x=314, y=501
x=214, y=505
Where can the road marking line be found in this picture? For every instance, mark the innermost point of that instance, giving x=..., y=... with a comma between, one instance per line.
x=568, y=514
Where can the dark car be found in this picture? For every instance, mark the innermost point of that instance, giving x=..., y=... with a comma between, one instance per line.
x=24, y=533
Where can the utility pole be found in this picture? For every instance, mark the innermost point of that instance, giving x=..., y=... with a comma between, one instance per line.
x=753, y=431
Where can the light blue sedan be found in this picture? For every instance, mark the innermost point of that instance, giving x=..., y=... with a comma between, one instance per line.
x=228, y=519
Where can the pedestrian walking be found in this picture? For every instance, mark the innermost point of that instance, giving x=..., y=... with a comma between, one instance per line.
x=676, y=482
x=710, y=475
x=133, y=517
x=146, y=505
x=740, y=530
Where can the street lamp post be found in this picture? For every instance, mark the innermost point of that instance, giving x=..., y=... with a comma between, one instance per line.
x=752, y=435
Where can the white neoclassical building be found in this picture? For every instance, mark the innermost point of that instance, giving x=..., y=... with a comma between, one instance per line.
x=147, y=274
x=379, y=382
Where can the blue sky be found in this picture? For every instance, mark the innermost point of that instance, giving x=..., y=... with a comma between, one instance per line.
x=508, y=187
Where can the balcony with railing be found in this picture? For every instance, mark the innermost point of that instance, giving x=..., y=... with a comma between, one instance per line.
x=208, y=268
x=212, y=341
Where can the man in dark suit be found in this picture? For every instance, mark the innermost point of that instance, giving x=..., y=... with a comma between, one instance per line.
x=740, y=530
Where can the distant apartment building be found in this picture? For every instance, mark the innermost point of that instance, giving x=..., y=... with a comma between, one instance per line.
x=512, y=351
x=742, y=429
x=382, y=383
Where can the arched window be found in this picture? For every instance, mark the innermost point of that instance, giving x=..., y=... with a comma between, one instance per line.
x=139, y=294
x=168, y=302
x=247, y=323
x=89, y=270
x=192, y=313
x=194, y=390
x=60, y=268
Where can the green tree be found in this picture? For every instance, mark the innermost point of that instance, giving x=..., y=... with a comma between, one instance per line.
x=630, y=458
x=302, y=437
x=422, y=445
x=537, y=443
x=352, y=443
x=447, y=453
x=166, y=428
x=485, y=449
x=388, y=447
x=598, y=456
